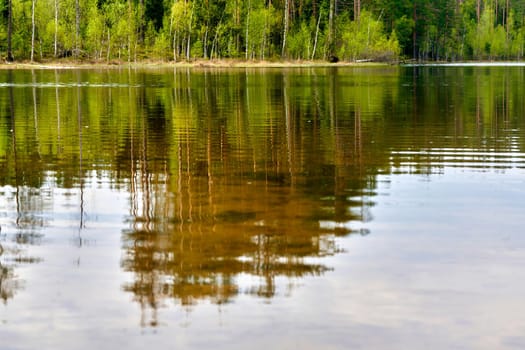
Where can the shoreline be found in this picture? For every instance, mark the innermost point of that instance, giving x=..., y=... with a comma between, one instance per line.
x=223, y=63
x=231, y=64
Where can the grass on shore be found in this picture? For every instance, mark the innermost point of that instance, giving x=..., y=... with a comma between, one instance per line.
x=222, y=63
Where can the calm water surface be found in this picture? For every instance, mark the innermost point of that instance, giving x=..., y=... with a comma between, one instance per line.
x=350, y=208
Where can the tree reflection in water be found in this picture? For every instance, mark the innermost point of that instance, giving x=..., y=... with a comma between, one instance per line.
x=8, y=282
x=22, y=203
x=194, y=245
x=239, y=201
x=237, y=180
x=23, y=206
x=10, y=259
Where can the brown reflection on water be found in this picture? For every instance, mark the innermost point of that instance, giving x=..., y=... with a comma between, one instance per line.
x=224, y=204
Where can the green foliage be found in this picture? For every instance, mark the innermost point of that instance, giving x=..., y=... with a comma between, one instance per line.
x=254, y=29
x=261, y=23
x=498, y=43
x=95, y=33
x=300, y=42
x=404, y=27
x=365, y=39
x=518, y=43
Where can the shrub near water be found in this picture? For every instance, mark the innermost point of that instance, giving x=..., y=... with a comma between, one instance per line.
x=365, y=39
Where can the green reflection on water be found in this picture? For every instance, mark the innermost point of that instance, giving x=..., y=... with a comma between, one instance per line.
x=244, y=172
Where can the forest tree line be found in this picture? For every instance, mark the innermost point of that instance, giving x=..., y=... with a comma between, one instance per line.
x=350, y=30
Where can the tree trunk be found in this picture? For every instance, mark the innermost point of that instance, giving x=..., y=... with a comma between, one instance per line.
x=188, y=47
x=414, y=35
x=331, y=30
x=32, y=29
x=286, y=25
x=56, y=29
x=263, y=45
x=77, y=28
x=109, y=46
x=130, y=12
x=237, y=25
x=205, y=43
x=507, y=11
x=247, y=39
x=9, y=31
x=141, y=21
x=316, y=36
x=175, y=45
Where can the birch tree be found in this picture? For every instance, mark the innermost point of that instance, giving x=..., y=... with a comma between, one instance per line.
x=33, y=3
x=286, y=25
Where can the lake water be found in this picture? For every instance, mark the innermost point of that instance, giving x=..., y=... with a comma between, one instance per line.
x=327, y=208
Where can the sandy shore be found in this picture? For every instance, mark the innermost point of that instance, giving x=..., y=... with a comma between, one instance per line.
x=71, y=64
